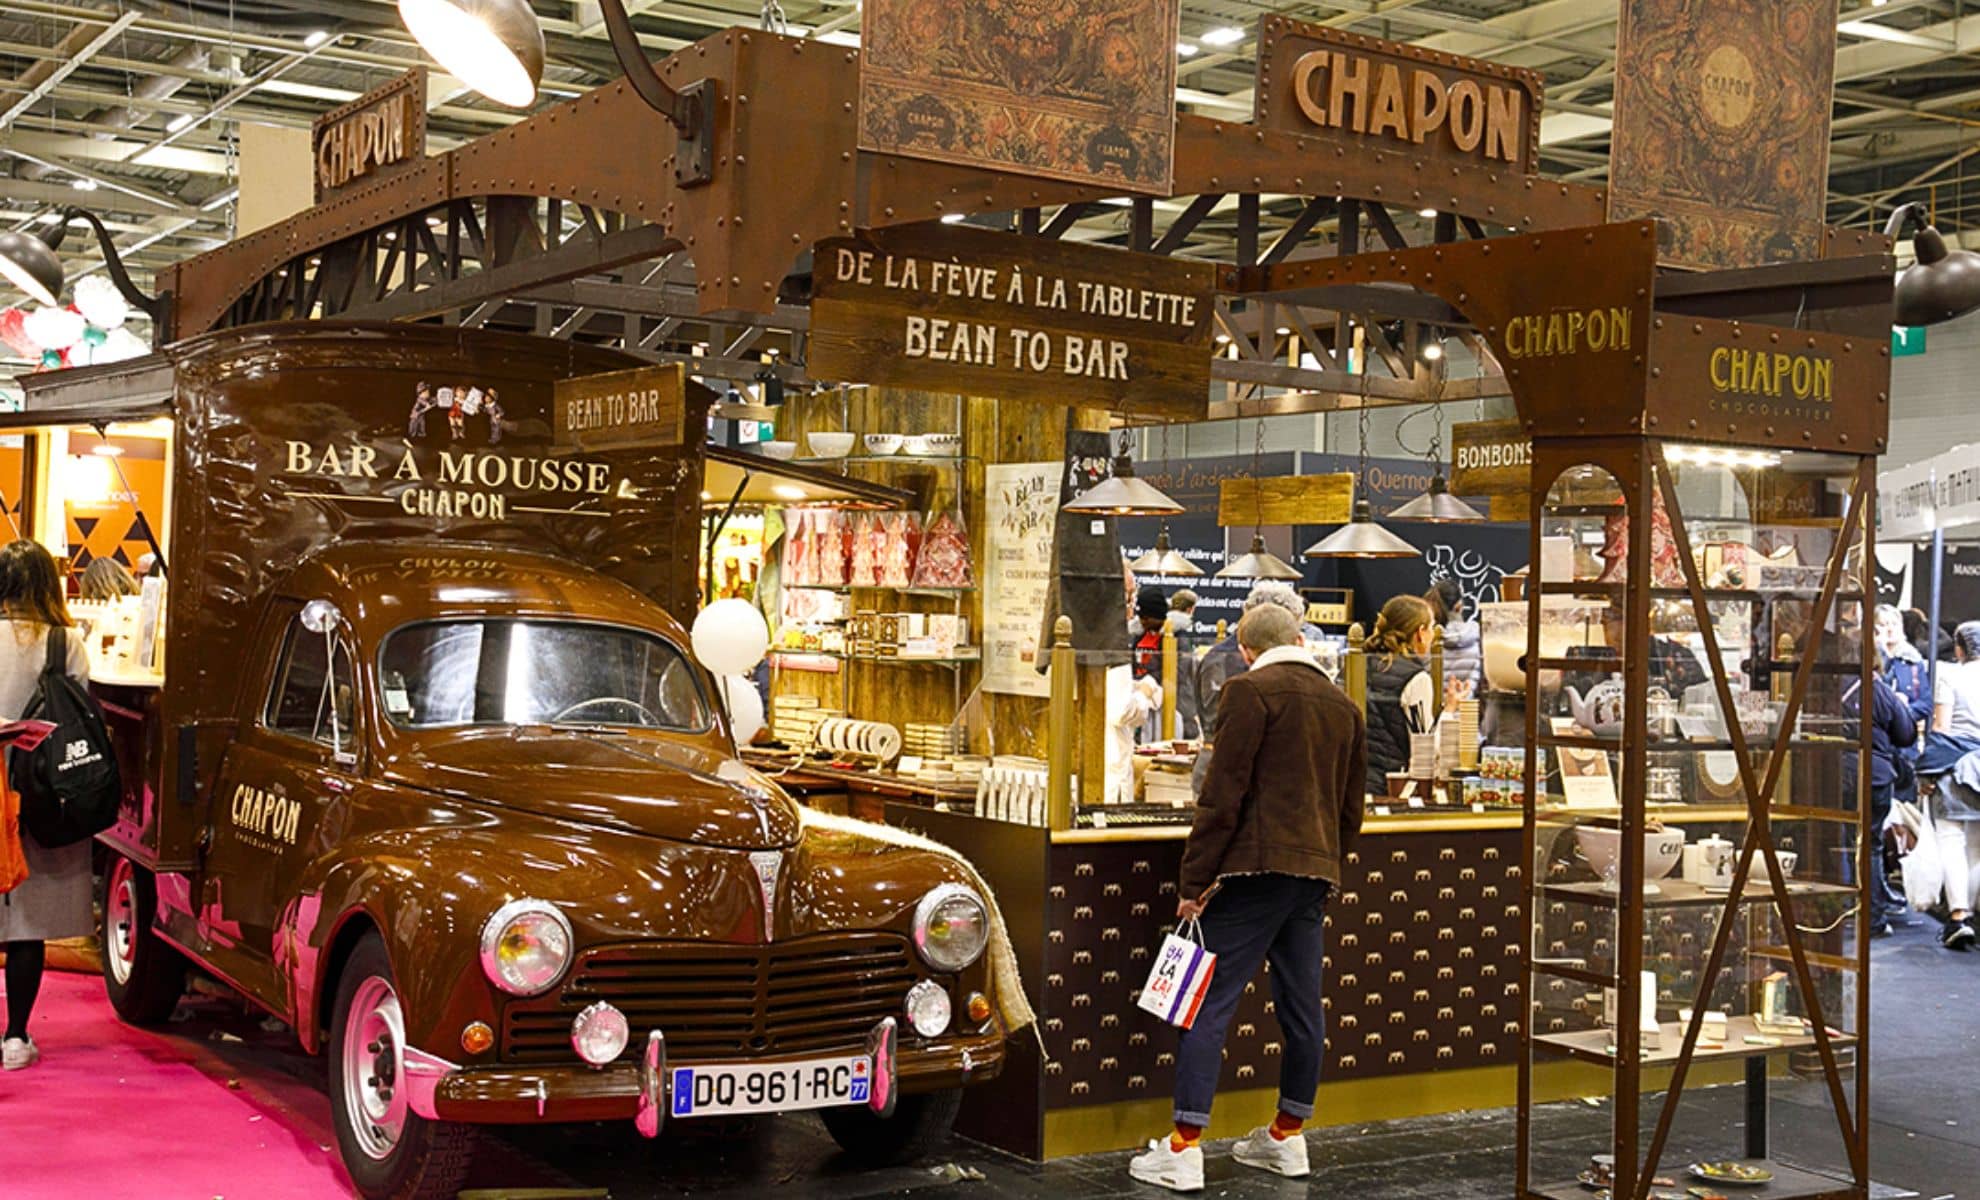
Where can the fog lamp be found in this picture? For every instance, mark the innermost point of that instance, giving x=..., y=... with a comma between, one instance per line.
x=979, y=1007
x=599, y=1034
x=928, y=1008
x=477, y=1037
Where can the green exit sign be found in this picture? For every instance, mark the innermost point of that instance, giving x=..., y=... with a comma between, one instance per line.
x=1907, y=340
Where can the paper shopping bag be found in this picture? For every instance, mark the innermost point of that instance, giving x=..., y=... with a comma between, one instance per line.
x=1180, y=977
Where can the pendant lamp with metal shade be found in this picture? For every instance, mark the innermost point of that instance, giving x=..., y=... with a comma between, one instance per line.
x=1163, y=558
x=1123, y=495
x=32, y=262
x=493, y=46
x=1437, y=505
x=1258, y=562
x=1361, y=537
x=1943, y=284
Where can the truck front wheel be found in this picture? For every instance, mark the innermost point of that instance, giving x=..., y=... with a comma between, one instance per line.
x=919, y=1125
x=391, y=1152
x=144, y=976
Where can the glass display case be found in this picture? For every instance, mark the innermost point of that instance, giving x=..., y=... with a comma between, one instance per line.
x=1695, y=865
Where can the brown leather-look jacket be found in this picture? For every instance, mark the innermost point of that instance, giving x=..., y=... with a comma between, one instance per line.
x=1284, y=791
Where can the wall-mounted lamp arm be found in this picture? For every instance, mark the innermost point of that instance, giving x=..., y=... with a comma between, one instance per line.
x=154, y=307
x=690, y=109
x=1905, y=216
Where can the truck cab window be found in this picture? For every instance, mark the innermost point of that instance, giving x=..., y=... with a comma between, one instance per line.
x=313, y=697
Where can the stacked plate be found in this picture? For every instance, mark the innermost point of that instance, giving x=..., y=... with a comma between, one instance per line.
x=874, y=740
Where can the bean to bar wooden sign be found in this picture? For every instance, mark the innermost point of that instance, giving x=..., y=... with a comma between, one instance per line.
x=1286, y=500
x=1379, y=95
x=1018, y=318
x=1491, y=458
x=643, y=407
x=375, y=136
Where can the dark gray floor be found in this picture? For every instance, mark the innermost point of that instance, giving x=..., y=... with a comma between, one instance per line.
x=1925, y=1133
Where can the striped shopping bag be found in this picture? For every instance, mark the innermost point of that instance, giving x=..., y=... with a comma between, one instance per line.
x=1180, y=977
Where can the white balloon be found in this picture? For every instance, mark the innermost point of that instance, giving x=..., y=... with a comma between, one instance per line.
x=120, y=345
x=54, y=328
x=101, y=303
x=730, y=637
x=745, y=707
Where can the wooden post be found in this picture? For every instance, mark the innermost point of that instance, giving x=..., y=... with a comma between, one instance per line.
x=1093, y=734
x=1169, y=666
x=1061, y=734
x=1356, y=669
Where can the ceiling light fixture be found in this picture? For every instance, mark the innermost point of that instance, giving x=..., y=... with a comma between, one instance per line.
x=1436, y=505
x=1259, y=562
x=1428, y=214
x=316, y=39
x=182, y=121
x=493, y=46
x=1361, y=537
x=1164, y=559
x=1123, y=495
x=1223, y=35
x=1943, y=284
x=83, y=185
x=1184, y=49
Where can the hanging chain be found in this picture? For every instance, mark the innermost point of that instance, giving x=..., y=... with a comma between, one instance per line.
x=774, y=20
x=1437, y=435
x=1257, y=461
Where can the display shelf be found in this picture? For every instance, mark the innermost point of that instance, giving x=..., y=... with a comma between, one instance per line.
x=920, y=459
x=1789, y=1183
x=846, y=588
x=1594, y=1045
x=895, y=659
x=1676, y=893
x=1597, y=589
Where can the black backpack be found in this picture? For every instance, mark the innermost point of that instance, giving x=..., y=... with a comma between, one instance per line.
x=69, y=784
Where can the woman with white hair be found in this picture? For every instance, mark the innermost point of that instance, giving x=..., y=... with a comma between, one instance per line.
x=1951, y=761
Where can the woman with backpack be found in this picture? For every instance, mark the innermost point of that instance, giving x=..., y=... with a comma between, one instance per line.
x=54, y=901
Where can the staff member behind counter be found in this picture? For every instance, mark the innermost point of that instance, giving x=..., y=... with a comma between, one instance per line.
x=1398, y=652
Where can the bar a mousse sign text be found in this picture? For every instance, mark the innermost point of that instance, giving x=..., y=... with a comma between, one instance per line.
x=1386, y=95
x=1023, y=318
x=381, y=133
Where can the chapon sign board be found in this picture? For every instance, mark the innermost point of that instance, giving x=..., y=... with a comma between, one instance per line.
x=1019, y=318
x=1379, y=95
x=375, y=136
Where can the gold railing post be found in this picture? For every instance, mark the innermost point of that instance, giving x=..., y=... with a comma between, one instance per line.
x=1356, y=667
x=1168, y=684
x=1061, y=737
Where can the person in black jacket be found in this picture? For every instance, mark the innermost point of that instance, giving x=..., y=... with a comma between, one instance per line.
x=1398, y=651
x=1892, y=730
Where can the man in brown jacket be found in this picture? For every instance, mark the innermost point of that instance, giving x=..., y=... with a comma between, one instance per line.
x=1280, y=806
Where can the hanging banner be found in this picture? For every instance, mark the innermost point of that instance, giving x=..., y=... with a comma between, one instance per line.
x=1021, y=504
x=1370, y=95
x=1078, y=90
x=1722, y=127
x=949, y=309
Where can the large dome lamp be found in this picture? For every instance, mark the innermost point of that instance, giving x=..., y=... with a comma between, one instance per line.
x=1943, y=284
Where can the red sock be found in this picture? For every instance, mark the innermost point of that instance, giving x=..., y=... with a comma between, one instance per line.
x=1285, y=1126
x=1184, y=1137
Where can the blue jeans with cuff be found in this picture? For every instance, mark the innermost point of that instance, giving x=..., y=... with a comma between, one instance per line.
x=1255, y=919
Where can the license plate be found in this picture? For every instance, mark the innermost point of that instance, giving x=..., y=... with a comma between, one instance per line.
x=771, y=1087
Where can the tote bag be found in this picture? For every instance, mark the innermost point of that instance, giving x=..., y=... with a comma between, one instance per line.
x=1180, y=977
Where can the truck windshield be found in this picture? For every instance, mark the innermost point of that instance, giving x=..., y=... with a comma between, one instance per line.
x=509, y=672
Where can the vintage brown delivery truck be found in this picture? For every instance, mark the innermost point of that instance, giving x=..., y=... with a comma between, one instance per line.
x=416, y=759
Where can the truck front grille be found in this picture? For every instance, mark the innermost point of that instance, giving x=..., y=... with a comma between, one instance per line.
x=716, y=1001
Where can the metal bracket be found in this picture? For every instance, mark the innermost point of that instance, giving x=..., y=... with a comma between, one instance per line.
x=694, y=152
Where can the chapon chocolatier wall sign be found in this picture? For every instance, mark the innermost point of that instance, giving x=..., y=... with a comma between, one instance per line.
x=373, y=137
x=1387, y=96
x=1722, y=127
x=1020, y=318
x=1079, y=90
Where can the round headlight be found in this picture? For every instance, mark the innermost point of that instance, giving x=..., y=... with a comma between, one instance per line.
x=951, y=927
x=525, y=947
x=928, y=1008
x=600, y=1033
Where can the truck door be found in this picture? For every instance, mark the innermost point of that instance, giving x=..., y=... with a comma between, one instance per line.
x=280, y=786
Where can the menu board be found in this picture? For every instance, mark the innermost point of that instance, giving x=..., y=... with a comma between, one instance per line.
x=1021, y=505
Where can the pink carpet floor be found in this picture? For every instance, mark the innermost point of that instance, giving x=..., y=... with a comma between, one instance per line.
x=115, y=1113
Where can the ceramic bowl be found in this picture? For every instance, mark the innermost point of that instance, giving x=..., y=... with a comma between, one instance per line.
x=831, y=445
x=943, y=443
x=915, y=444
x=780, y=451
x=883, y=443
x=1599, y=845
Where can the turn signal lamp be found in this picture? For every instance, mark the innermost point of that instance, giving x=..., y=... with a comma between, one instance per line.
x=477, y=1038
x=979, y=1007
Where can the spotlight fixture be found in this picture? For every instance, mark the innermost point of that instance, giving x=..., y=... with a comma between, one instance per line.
x=30, y=262
x=1943, y=284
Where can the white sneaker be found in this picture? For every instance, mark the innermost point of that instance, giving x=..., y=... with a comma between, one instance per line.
x=1281, y=1156
x=1165, y=1167
x=18, y=1054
